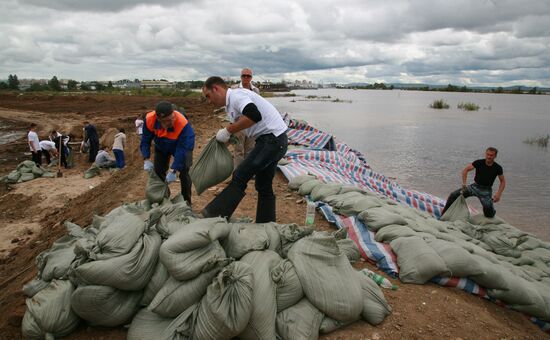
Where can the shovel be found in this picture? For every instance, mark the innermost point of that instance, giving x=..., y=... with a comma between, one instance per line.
x=59, y=151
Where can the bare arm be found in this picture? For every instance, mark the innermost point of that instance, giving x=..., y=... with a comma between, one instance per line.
x=467, y=169
x=243, y=123
x=32, y=146
x=501, y=187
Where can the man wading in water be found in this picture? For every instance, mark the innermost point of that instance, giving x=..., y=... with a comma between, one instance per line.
x=486, y=172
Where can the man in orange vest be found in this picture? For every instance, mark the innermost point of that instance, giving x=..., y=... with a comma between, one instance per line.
x=173, y=136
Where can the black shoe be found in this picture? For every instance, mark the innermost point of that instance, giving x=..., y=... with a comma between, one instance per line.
x=225, y=203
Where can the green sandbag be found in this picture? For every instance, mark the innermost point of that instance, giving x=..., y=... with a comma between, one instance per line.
x=392, y=232
x=349, y=248
x=37, y=171
x=377, y=218
x=307, y=187
x=155, y=284
x=296, y=181
x=375, y=306
x=25, y=170
x=92, y=171
x=118, y=237
x=336, y=201
x=288, y=287
x=157, y=190
x=214, y=165
x=54, y=263
x=244, y=238
x=361, y=205
x=460, y=262
x=321, y=192
x=26, y=176
x=13, y=176
x=147, y=325
x=458, y=211
x=301, y=321
x=47, y=174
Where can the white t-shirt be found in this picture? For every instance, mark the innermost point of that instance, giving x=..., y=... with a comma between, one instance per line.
x=237, y=99
x=139, y=126
x=47, y=145
x=252, y=87
x=33, y=138
x=120, y=141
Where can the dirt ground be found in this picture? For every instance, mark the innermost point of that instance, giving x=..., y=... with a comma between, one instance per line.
x=32, y=213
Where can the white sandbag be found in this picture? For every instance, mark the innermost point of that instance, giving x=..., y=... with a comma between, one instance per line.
x=147, y=325
x=301, y=322
x=54, y=263
x=377, y=218
x=176, y=296
x=225, y=310
x=288, y=287
x=458, y=211
x=105, y=306
x=460, y=262
x=264, y=302
x=327, y=278
x=155, y=284
x=118, y=237
x=295, y=182
x=127, y=272
x=417, y=261
x=49, y=314
x=188, y=265
x=244, y=238
x=375, y=306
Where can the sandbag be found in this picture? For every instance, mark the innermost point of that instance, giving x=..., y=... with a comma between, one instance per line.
x=460, y=262
x=182, y=327
x=49, y=314
x=290, y=233
x=329, y=325
x=377, y=218
x=131, y=271
x=391, y=232
x=320, y=192
x=105, y=306
x=147, y=325
x=274, y=237
x=375, y=307
x=195, y=235
x=337, y=200
x=13, y=176
x=327, y=278
x=295, y=182
x=213, y=166
x=288, y=287
x=356, y=206
x=155, y=284
x=92, y=171
x=37, y=171
x=481, y=220
x=48, y=174
x=26, y=176
x=225, y=310
x=301, y=322
x=176, y=296
x=307, y=186
x=417, y=261
x=244, y=238
x=118, y=237
x=349, y=248
x=157, y=190
x=108, y=137
x=34, y=286
x=264, y=302
x=458, y=211
x=501, y=244
x=54, y=263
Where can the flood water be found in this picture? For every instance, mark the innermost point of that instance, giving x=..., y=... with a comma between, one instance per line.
x=426, y=149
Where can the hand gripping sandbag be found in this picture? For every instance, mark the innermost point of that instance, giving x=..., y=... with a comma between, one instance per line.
x=288, y=287
x=264, y=302
x=104, y=305
x=49, y=314
x=458, y=211
x=214, y=165
x=225, y=310
x=301, y=321
x=327, y=278
x=147, y=325
x=157, y=190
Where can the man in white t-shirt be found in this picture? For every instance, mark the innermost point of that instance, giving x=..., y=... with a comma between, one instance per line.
x=48, y=150
x=258, y=118
x=34, y=145
x=139, y=125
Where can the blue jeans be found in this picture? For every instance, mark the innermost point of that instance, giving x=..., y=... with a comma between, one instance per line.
x=485, y=195
x=119, y=156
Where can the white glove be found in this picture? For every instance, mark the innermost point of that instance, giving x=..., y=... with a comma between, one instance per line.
x=148, y=165
x=223, y=135
x=171, y=177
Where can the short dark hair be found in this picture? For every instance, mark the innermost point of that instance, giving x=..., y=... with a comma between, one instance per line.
x=491, y=148
x=122, y=130
x=164, y=109
x=215, y=80
x=33, y=125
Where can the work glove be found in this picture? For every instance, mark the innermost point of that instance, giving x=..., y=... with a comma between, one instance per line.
x=148, y=165
x=171, y=177
x=223, y=136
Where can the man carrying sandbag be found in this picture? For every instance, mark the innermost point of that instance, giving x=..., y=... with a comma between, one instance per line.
x=487, y=170
x=260, y=120
x=173, y=136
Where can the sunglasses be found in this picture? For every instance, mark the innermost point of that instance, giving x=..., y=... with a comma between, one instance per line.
x=246, y=76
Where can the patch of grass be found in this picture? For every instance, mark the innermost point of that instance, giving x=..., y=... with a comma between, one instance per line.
x=439, y=104
x=468, y=106
x=541, y=141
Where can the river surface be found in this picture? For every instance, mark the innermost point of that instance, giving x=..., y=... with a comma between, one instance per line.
x=426, y=149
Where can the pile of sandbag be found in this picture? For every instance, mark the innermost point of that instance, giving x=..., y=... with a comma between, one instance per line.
x=26, y=171
x=168, y=274
x=513, y=265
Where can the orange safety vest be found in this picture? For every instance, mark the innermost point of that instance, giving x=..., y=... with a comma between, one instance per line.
x=179, y=123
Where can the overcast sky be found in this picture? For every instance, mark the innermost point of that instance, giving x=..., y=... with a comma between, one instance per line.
x=477, y=42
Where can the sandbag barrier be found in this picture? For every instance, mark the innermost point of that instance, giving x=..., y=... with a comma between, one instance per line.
x=486, y=257
x=26, y=171
x=168, y=274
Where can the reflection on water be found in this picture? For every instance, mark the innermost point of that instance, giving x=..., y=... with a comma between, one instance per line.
x=426, y=149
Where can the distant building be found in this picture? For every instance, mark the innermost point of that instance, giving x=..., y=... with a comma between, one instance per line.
x=157, y=84
x=126, y=84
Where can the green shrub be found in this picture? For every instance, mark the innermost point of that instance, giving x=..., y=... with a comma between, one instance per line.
x=468, y=106
x=439, y=104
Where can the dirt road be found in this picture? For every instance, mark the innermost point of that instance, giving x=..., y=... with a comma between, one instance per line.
x=31, y=216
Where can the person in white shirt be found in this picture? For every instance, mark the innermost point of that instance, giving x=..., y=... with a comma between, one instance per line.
x=59, y=139
x=118, y=148
x=34, y=145
x=139, y=125
x=258, y=118
x=104, y=159
x=244, y=144
x=48, y=150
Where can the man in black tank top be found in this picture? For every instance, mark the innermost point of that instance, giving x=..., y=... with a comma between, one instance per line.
x=487, y=170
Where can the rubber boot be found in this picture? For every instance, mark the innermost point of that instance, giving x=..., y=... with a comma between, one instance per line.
x=225, y=203
x=265, y=210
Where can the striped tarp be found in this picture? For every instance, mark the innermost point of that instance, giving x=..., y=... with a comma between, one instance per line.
x=313, y=139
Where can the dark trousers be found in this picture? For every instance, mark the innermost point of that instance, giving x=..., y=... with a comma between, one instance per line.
x=94, y=149
x=37, y=157
x=63, y=153
x=484, y=194
x=161, y=163
x=119, y=156
x=46, y=154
